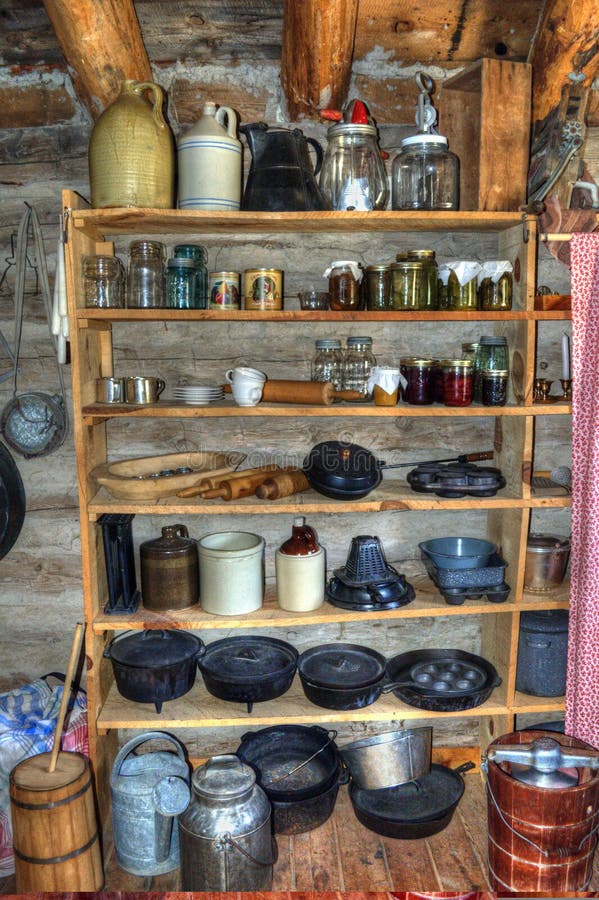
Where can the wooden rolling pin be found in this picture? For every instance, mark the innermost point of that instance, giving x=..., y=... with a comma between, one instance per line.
x=317, y=393
x=237, y=488
x=283, y=484
x=213, y=481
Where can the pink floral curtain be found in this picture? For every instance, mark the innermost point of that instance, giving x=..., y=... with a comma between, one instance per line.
x=582, y=695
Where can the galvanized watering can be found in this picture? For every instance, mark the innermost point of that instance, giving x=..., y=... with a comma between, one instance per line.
x=147, y=792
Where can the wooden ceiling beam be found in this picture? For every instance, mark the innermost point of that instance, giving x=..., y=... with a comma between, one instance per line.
x=102, y=43
x=567, y=41
x=317, y=54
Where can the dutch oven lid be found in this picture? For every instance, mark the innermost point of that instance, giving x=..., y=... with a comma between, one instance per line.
x=344, y=467
x=246, y=659
x=545, y=621
x=223, y=777
x=341, y=665
x=546, y=543
x=426, y=798
x=153, y=648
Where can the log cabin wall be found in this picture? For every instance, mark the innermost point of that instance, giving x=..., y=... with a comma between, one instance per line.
x=229, y=53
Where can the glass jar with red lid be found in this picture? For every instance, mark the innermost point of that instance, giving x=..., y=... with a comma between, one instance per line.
x=457, y=382
x=419, y=389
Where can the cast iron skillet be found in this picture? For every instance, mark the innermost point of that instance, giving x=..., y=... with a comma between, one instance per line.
x=414, y=810
x=12, y=501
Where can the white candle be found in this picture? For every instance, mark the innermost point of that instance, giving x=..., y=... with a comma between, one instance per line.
x=565, y=356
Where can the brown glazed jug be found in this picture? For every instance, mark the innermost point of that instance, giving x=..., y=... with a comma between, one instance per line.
x=300, y=567
x=132, y=151
x=170, y=570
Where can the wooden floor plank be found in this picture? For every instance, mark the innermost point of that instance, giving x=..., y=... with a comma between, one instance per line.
x=472, y=813
x=361, y=851
x=316, y=860
x=454, y=860
x=283, y=874
x=410, y=865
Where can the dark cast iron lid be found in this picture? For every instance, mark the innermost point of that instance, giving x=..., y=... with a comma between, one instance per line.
x=151, y=649
x=245, y=659
x=341, y=665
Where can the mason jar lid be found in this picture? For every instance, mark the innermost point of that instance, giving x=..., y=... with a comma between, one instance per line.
x=421, y=254
x=350, y=129
x=401, y=257
x=403, y=264
x=456, y=363
x=470, y=345
x=416, y=361
x=378, y=268
x=181, y=262
x=327, y=344
x=354, y=341
x=499, y=373
x=490, y=340
x=430, y=139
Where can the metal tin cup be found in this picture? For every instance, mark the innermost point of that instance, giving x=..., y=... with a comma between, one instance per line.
x=143, y=389
x=224, y=290
x=110, y=390
x=263, y=289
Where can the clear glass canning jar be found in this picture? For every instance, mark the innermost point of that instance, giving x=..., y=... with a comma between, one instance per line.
x=357, y=365
x=492, y=354
x=379, y=287
x=425, y=174
x=457, y=382
x=344, y=277
x=146, y=277
x=494, y=384
x=104, y=282
x=180, y=283
x=409, y=285
x=353, y=173
x=429, y=276
x=199, y=254
x=327, y=363
x=420, y=382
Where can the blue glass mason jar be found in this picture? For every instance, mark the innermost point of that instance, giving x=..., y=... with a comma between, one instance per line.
x=199, y=254
x=181, y=283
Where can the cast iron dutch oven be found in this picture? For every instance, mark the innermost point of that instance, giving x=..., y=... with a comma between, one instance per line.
x=342, y=676
x=12, y=501
x=414, y=810
x=155, y=665
x=342, y=471
x=248, y=669
x=441, y=680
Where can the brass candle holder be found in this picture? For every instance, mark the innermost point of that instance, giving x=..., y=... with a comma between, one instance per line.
x=566, y=384
x=541, y=388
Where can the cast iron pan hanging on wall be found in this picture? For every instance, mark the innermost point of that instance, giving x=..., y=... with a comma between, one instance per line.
x=12, y=501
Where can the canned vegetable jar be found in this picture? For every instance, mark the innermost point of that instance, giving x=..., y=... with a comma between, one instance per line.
x=224, y=290
x=263, y=289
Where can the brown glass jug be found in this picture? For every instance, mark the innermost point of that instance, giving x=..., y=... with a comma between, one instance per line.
x=170, y=570
x=132, y=151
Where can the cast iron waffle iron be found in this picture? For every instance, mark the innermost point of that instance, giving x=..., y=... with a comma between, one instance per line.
x=456, y=479
x=367, y=581
x=457, y=585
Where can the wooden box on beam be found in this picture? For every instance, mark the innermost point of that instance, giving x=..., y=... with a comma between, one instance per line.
x=485, y=114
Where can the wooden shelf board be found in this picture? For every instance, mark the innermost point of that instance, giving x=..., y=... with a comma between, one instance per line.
x=527, y=703
x=97, y=222
x=166, y=409
x=390, y=496
x=85, y=315
x=428, y=602
x=199, y=709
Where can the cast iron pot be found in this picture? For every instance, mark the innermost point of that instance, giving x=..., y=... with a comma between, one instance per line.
x=414, y=810
x=399, y=667
x=292, y=762
x=299, y=816
x=342, y=676
x=154, y=666
x=342, y=471
x=248, y=669
x=12, y=501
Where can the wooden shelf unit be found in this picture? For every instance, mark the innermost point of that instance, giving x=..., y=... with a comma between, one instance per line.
x=507, y=513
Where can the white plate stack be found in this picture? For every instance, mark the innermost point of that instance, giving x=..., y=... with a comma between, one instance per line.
x=198, y=393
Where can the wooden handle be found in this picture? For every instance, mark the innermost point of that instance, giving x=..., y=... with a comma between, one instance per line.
x=213, y=481
x=283, y=485
x=472, y=457
x=66, y=693
x=240, y=487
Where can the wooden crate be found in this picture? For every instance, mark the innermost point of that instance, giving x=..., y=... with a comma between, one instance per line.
x=485, y=114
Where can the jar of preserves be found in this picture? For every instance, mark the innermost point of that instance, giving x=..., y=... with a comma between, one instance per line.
x=344, y=284
x=469, y=349
x=379, y=293
x=492, y=353
x=104, y=282
x=418, y=374
x=327, y=364
x=358, y=363
x=180, y=283
x=496, y=285
x=462, y=286
x=146, y=277
x=494, y=386
x=408, y=284
x=438, y=381
x=429, y=278
x=457, y=382
x=199, y=254
x=443, y=287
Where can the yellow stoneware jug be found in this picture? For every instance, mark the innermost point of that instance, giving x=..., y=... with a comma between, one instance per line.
x=132, y=151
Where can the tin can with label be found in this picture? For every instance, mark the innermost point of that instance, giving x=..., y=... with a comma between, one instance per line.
x=263, y=289
x=224, y=290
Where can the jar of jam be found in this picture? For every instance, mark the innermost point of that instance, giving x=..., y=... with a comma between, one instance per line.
x=438, y=381
x=344, y=277
x=418, y=374
x=492, y=353
x=457, y=382
x=496, y=285
x=429, y=279
x=378, y=287
x=462, y=285
x=494, y=386
x=408, y=284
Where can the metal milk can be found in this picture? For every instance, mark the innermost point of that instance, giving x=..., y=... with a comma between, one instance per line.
x=225, y=832
x=147, y=792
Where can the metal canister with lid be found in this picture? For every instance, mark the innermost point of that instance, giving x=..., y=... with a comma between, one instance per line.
x=263, y=289
x=225, y=832
x=169, y=570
